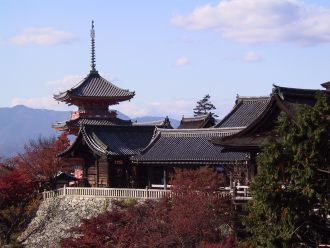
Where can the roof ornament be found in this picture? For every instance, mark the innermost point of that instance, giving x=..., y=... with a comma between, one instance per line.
x=93, y=69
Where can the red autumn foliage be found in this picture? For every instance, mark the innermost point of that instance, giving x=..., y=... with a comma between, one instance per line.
x=17, y=195
x=19, y=179
x=194, y=216
x=229, y=242
x=39, y=160
x=198, y=212
x=124, y=226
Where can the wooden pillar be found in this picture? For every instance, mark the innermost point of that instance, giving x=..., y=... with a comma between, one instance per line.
x=230, y=180
x=97, y=173
x=165, y=181
x=253, y=164
x=85, y=173
x=149, y=175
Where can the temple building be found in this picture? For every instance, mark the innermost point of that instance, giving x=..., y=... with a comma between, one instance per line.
x=121, y=153
x=257, y=132
x=104, y=143
x=191, y=147
x=186, y=148
x=93, y=96
x=106, y=152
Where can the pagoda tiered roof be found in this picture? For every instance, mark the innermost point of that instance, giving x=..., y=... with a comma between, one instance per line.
x=188, y=146
x=111, y=140
x=95, y=88
x=76, y=123
x=200, y=121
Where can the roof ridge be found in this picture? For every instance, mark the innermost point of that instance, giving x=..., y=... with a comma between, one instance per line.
x=252, y=98
x=148, y=122
x=198, y=117
x=197, y=132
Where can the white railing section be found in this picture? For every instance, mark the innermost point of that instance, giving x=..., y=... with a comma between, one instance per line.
x=107, y=192
x=240, y=193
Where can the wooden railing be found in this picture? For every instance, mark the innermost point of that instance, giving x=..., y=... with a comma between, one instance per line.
x=107, y=193
x=240, y=193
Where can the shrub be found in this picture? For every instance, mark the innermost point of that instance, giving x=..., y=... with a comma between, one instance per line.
x=194, y=216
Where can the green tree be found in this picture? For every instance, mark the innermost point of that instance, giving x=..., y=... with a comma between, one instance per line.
x=204, y=106
x=290, y=206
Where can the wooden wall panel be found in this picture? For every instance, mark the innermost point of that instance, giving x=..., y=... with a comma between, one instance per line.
x=92, y=176
x=103, y=173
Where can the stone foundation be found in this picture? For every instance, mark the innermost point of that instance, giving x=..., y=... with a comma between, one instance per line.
x=57, y=215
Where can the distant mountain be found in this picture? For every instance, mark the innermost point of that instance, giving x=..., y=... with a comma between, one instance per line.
x=19, y=124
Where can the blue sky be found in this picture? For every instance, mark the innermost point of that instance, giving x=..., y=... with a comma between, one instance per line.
x=171, y=53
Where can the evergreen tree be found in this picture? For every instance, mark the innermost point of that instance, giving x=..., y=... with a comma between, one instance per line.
x=204, y=107
x=291, y=197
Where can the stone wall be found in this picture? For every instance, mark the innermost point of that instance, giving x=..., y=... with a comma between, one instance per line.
x=57, y=215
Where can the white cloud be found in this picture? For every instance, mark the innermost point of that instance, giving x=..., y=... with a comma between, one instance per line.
x=42, y=36
x=175, y=108
x=66, y=83
x=132, y=109
x=252, y=56
x=262, y=21
x=182, y=61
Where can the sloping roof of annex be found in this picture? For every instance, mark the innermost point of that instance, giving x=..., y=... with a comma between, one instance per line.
x=283, y=99
x=200, y=121
x=188, y=146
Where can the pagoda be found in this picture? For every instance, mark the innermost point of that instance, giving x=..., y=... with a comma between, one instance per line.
x=93, y=96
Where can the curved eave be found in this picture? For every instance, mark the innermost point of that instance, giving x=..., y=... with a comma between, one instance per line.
x=67, y=97
x=71, y=148
x=283, y=92
x=61, y=96
x=188, y=162
x=240, y=148
x=153, y=140
x=60, y=125
x=95, y=144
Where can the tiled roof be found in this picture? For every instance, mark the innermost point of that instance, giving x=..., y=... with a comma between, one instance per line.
x=91, y=121
x=114, y=140
x=201, y=121
x=164, y=123
x=283, y=99
x=191, y=146
x=246, y=110
x=95, y=86
x=295, y=95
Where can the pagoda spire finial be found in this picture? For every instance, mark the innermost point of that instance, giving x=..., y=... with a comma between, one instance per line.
x=93, y=69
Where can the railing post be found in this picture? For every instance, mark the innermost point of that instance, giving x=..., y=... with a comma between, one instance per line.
x=147, y=189
x=234, y=190
x=64, y=189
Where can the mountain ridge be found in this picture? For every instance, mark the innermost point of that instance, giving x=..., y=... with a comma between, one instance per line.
x=20, y=123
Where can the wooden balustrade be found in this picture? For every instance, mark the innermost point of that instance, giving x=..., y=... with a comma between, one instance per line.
x=107, y=193
x=238, y=193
